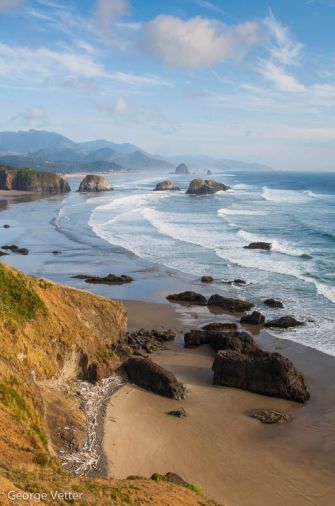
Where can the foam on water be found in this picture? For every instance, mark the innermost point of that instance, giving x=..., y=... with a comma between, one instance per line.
x=240, y=212
x=285, y=196
x=279, y=246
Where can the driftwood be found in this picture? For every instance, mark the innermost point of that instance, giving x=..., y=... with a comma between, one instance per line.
x=94, y=398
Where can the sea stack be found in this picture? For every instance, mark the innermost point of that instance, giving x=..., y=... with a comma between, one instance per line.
x=205, y=187
x=182, y=169
x=166, y=186
x=93, y=183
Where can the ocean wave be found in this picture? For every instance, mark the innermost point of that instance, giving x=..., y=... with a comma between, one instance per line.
x=279, y=246
x=226, y=211
x=241, y=186
x=285, y=196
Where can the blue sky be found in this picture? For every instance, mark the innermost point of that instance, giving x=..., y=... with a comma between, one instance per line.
x=251, y=80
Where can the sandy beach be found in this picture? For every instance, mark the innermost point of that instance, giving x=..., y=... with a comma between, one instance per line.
x=236, y=459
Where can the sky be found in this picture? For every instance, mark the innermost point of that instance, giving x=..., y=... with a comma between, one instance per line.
x=249, y=80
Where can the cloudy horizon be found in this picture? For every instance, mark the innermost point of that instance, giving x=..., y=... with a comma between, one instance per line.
x=250, y=82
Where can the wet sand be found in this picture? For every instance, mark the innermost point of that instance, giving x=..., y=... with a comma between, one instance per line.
x=236, y=459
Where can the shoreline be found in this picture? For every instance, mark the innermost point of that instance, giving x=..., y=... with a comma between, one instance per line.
x=219, y=437
x=273, y=445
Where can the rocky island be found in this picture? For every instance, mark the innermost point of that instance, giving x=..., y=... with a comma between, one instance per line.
x=94, y=184
x=205, y=187
x=29, y=180
x=182, y=169
x=166, y=186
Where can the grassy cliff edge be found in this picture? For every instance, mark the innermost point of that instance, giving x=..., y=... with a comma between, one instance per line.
x=51, y=333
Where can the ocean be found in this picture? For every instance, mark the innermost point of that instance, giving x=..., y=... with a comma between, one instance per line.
x=191, y=236
x=206, y=234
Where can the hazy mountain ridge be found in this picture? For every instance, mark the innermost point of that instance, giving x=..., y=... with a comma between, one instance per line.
x=44, y=150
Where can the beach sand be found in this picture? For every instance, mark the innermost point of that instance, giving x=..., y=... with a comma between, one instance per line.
x=236, y=459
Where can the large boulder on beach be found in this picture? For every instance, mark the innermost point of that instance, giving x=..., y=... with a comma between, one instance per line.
x=259, y=245
x=195, y=338
x=233, y=340
x=190, y=297
x=182, y=169
x=93, y=183
x=276, y=304
x=223, y=326
x=166, y=186
x=235, y=305
x=260, y=372
x=205, y=187
x=255, y=318
x=110, y=279
x=285, y=322
x=150, y=376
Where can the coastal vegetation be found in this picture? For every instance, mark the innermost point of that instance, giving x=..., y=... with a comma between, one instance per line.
x=27, y=179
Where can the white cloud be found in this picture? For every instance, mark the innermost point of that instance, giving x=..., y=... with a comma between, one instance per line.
x=30, y=116
x=108, y=11
x=139, y=79
x=198, y=41
x=279, y=77
x=284, y=50
x=10, y=4
x=45, y=63
x=121, y=106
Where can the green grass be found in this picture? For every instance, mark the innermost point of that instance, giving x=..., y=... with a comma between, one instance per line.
x=18, y=300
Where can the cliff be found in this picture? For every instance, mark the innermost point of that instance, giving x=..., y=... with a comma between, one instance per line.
x=51, y=336
x=46, y=183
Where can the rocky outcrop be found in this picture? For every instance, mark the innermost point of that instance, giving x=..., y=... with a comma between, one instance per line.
x=16, y=249
x=270, y=416
x=94, y=184
x=260, y=372
x=259, y=245
x=273, y=303
x=148, y=341
x=195, y=338
x=209, y=172
x=205, y=187
x=255, y=318
x=192, y=298
x=285, y=322
x=220, y=326
x=235, y=305
x=207, y=279
x=178, y=413
x=242, y=342
x=110, y=279
x=166, y=186
x=150, y=376
x=182, y=169
x=30, y=180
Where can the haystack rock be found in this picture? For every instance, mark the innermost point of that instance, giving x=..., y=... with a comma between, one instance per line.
x=166, y=186
x=93, y=183
x=205, y=187
x=182, y=169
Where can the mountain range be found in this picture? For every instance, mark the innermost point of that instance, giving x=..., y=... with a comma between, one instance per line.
x=50, y=151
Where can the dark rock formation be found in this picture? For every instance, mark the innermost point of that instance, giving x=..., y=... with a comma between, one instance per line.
x=254, y=318
x=285, y=322
x=3, y=253
x=236, y=305
x=190, y=297
x=182, y=169
x=273, y=303
x=30, y=180
x=178, y=413
x=235, y=282
x=242, y=342
x=195, y=338
x=166, y=186
x=147, y=341
x=56, y=252
x=6, y=226
x=16, y=249
x=110, y=279
x=259, y=245
x=270, y=416
x=209, y=172
x=220, y=326
x=207, y=279
x=150, y=376
x=205, y=187
x=260, y=372
x=176, y=479
x=93, y=183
